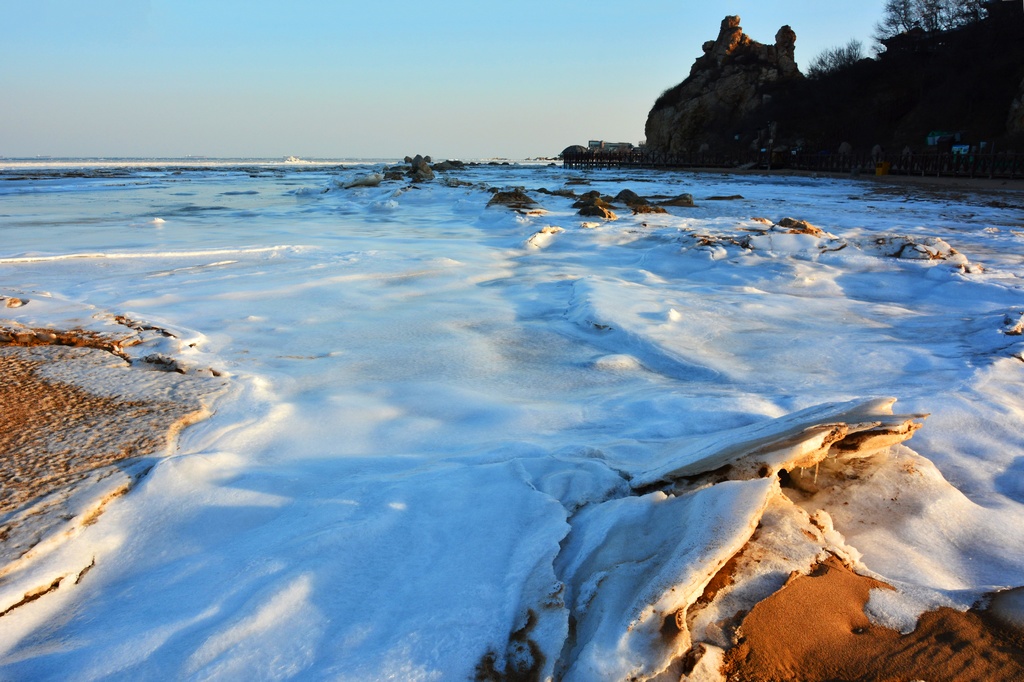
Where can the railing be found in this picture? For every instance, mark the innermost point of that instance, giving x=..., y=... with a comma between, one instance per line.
x=976, y=165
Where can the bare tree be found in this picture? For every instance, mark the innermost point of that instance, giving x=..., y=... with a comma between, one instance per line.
x=835, y=59
x=900, y=16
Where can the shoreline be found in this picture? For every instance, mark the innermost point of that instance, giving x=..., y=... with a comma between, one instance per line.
x=979, y=185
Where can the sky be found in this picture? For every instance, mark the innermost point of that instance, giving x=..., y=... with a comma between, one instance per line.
x=329, y=79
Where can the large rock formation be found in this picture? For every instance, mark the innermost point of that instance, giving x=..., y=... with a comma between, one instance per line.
x=724, y=86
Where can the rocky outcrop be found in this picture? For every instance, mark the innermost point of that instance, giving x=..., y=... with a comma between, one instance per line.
x=725, y=85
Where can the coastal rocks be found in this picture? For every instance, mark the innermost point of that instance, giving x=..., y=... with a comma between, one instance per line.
x=421, y=171
x=793, y=226
x=637, y=203
x=685, y=200
x=515, y=198
x=449, y=165
x=365, y=180
x=725, y=85
x=927, y=248
x=592, y=204
x=595, y=211
x=11, y=302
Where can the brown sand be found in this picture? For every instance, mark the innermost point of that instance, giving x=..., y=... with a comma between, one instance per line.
x=814, y=629
x=54, y=434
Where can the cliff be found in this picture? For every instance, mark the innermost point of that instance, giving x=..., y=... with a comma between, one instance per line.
x=968, y=80
x=725, y=86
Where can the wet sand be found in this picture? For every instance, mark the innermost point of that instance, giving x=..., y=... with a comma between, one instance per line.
x=53, y=434
x=79, y=426
x=814, y=629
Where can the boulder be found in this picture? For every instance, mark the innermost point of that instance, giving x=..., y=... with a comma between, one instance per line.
x=637, y=203
x=629, y=197
x=421, y=172
x=598, y=212
x=726, y=85
x=681, y=200
x=515, y=198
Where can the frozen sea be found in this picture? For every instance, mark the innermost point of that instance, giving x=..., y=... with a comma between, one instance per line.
x=426, y=462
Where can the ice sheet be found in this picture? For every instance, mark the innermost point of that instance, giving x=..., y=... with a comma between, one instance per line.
x=429, y=398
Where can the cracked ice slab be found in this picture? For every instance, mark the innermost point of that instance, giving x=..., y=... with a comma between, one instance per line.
x=800, y=439
x=633, y=566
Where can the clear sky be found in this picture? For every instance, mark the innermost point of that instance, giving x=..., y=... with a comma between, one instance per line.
x=382, y=78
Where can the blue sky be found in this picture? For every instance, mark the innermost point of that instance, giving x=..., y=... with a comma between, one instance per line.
x=450, y=78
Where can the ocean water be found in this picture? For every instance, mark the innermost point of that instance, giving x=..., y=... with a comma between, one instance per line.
x=426, y=394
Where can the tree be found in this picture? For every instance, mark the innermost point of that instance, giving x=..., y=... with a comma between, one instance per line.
x=900, y=16
x=835, y=59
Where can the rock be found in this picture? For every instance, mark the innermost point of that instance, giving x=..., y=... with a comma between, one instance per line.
x=637, y=203
x=448, y=165
x=730, y=197
x=593, y=198
x=629, y=197
x=646, y=208
x=427, y=159
x=408, y=159
x=794, y=226
x=596, y=211
x=421, y=172
x=726, y=85
x=15, y=302
x=515, y=198
x=394, y=175
x=681, y=200
x=366, y=180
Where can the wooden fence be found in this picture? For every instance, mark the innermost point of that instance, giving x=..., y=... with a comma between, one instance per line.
x=977, y=165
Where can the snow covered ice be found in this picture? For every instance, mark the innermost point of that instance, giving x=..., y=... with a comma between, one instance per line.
x=451, y=440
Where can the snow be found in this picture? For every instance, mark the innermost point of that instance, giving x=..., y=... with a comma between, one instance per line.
x=457, y=436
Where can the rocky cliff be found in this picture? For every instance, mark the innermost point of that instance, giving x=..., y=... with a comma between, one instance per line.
x=967, y=80
x=726, y=85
